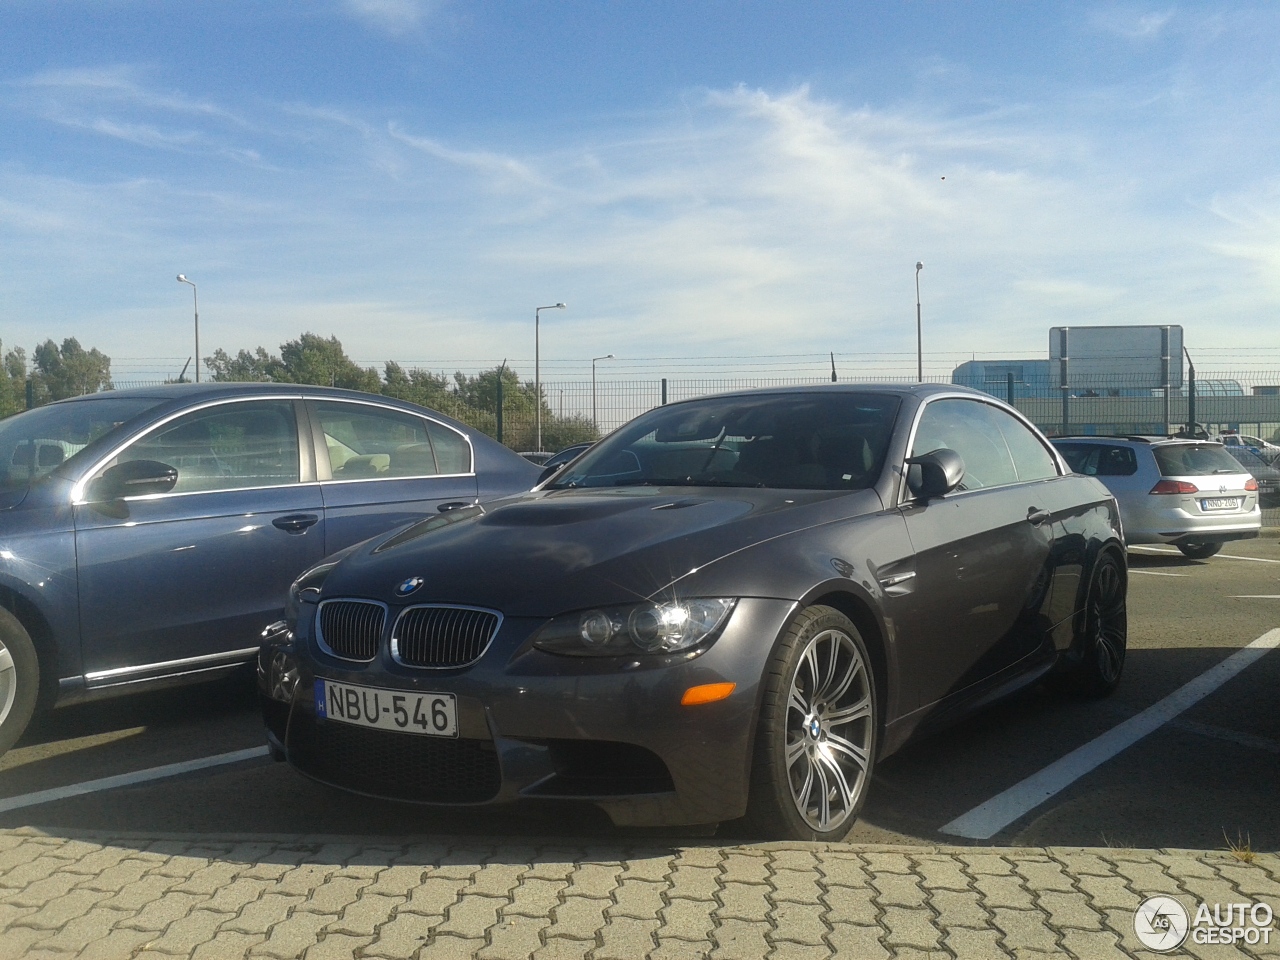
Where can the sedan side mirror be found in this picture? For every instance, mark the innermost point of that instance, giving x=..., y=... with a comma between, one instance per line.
x=934, y=474
x=133, y=478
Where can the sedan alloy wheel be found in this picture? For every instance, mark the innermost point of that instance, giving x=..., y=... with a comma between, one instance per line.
x=817, y=734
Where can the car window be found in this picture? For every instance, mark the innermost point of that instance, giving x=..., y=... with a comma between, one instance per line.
x=367, y=442
x=228, y=447
x=1031, y=458
x=1099, y=459
x=1194, y=460
x=1116, y=461
x=810, y=441
x=453, y=453
x=36, y=442
x=1080, y=457
x=966, y=427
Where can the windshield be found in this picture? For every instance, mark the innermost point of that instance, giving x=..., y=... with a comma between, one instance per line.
x=805, y=441
x=1195, y=460
x=35, y=443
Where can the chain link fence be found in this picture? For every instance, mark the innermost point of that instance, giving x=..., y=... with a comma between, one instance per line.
x=1243, y=403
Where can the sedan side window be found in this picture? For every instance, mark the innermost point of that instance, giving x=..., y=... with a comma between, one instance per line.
x=453, y=453
x=364, y=442
x=963, y=426
x=228, y=447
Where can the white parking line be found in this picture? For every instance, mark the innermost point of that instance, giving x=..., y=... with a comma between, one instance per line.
x=1223, y=556
x=128, y=779
x=1158, y=573
x=1254, y=596
x=987, y=819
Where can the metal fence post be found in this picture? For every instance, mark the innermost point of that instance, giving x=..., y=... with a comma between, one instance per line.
x=31, y=394
x=498, y=412
x=664, y=391
x=1009, y=389
x=1064, y=382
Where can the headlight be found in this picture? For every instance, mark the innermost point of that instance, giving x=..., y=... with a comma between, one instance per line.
x=654, y=628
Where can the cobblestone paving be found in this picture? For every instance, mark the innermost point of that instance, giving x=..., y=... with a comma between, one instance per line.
x=107, y=897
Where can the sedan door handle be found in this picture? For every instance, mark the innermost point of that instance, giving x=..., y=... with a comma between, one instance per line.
x=295, y=522
x=1036, y=516
x=453, y=505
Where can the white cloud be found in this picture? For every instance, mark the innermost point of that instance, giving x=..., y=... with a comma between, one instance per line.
x=751, y=222
x=394, y=17
x=1131, y=23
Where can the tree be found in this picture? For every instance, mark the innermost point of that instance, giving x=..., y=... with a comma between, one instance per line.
x=13, y=382
x=69, y=370
x=419, y=386
x=243, y=367
x=309, y=359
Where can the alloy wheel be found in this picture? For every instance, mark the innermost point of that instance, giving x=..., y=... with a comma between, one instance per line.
x=1110, y=621
x=829, y=730
x=8, y=682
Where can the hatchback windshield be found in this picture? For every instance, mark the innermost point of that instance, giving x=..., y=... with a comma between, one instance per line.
x=1195, y=460
x=36, y=442
x=807, y=441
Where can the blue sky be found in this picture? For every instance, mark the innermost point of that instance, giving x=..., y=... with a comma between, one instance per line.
x=750, y=181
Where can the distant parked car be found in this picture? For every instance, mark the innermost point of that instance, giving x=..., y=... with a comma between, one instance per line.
x=1268, y=452
x=1267, y=474
x=1189, y=493
x=147, y=536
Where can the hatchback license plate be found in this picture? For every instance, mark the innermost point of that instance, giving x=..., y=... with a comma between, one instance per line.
x=1220, y=503
x=426, y=714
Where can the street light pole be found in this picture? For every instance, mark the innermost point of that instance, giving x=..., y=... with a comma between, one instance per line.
x=537, y=374
x=919, y=339
x=196, y=299
x=594, y=421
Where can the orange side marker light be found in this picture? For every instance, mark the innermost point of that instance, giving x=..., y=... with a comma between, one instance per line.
x=706, y=693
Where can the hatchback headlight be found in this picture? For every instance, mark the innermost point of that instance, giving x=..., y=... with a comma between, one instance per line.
x=654, y=628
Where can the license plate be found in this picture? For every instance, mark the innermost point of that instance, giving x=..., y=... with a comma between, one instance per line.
x=1220, y=503
x=426, y=714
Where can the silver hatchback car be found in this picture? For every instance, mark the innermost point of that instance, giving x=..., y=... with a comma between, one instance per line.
x=1189, y=493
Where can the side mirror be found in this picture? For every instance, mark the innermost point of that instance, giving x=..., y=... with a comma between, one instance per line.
x=133, y=478
x=550, y=472
x=934, y=474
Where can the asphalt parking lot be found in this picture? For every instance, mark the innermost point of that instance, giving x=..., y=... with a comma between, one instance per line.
x=1210, y=773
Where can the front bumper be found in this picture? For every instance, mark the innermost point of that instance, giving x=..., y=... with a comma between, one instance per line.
x=538, y=726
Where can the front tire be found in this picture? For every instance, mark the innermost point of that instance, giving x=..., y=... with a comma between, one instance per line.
x=19, y=679
x=1199, y=551
x=816, y=740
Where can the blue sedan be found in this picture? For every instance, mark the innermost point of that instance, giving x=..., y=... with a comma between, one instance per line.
x=147, y=536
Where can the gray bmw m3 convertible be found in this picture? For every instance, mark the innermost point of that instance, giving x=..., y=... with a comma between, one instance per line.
x=731, y=607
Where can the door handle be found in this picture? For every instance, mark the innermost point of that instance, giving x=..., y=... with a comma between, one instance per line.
x=295, y=522
x=1036, y=516
x=453, y=505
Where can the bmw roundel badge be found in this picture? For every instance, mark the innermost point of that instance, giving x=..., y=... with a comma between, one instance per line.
x=409, y=586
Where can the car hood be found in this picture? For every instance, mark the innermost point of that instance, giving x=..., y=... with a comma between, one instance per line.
x=543, y=553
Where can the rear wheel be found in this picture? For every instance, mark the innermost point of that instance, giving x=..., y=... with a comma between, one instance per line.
x=19, y=679
x=1199, y=551
x=815, y=745
x=1104, y=640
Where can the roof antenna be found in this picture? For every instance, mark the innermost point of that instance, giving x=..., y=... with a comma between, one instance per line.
x=833, y=367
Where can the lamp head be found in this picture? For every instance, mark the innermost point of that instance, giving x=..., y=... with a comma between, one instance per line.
x=182, y=278
x=560, y=306
x=919, y=266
